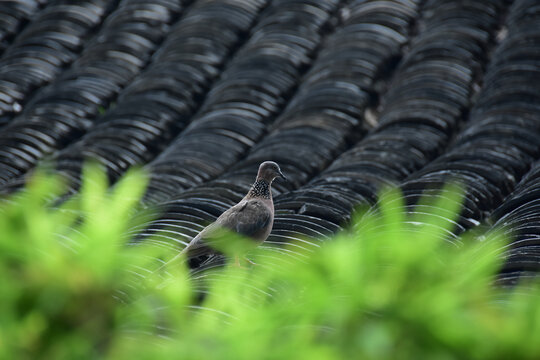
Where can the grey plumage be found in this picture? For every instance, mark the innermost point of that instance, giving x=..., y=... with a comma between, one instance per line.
x=252, y=217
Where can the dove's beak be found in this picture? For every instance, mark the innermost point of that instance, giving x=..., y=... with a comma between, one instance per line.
x=282, y=176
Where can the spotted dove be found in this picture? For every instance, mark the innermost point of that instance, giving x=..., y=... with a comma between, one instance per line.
x=252, y=217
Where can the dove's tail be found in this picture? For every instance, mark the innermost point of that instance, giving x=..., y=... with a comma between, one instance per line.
x=180, y=254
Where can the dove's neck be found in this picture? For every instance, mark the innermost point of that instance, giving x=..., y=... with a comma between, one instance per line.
x=260, y=189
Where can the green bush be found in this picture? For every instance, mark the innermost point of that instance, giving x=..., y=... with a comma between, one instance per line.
x=386, y=288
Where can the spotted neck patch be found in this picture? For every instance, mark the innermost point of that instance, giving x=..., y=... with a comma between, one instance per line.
x=260, y=189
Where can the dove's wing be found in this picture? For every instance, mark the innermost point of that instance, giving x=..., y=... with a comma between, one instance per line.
x=248, y=218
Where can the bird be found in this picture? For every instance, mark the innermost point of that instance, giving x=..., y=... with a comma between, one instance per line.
x=252, y=217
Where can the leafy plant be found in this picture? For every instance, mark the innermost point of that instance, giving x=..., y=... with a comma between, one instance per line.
x=387, y=287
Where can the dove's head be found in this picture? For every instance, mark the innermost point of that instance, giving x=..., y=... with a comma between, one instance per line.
x=269, y=170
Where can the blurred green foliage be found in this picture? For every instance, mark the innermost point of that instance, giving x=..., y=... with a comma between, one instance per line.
x=389, y=287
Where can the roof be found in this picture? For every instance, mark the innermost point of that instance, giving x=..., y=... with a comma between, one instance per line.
x=347, y=96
